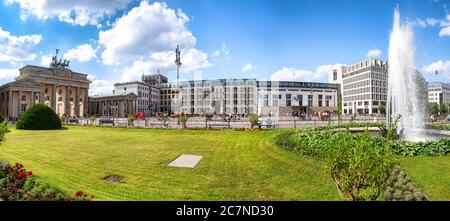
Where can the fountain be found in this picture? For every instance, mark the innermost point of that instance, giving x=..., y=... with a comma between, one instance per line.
x=404, y=85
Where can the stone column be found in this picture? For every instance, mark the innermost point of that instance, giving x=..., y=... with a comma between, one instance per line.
x=42, y=96
x=33, y=97
x=67, y=101
x=76, y=102
x=10, y=103
x=86, y=101
x=121, y=109
x=53, y=98
x=100, y=108
x=19, y=103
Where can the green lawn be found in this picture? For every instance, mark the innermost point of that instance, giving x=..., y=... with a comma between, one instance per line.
x=236, y=165
x=432, y=174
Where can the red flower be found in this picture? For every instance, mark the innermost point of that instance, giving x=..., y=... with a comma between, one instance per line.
x=30, y=173
x=79, y=193
x=20, y=175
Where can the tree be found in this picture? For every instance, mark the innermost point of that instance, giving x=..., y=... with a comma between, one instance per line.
x=130, y=119
x=339, y=111
x=183, y=118
x=435, y=108
x=253, y=118
x=382, y=109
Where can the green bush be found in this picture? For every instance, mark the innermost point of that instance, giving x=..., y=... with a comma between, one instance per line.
x=358, y=163
x=4, y=165
x=439, y=147
x=39, y=117
x=3, y=118
x=253, y=118
x=183, y=118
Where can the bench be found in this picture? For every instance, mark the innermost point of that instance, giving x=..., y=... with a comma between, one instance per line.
x=216, y=124
x=106, y=121
x=162, y=124
x=74, y=121
x=267, y=125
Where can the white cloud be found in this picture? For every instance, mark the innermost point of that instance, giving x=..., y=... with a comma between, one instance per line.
x=82, y=53
x=146, y=29
x=216, y=54
x=91, y=77
x=292, y=74
x=100, y=88
x=444, y=32
x=249, y=67
x=75, y=12
x=17, y=48
x=432, y=21
x=8, y=75
x=442, y=67
x=192, y=59
x=223, y=51
x=46, y=60
x=374, y=53
x=147, y=37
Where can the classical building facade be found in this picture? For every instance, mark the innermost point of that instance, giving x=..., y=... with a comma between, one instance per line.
x=62, y=89
x=113, y=106
x=148, y=96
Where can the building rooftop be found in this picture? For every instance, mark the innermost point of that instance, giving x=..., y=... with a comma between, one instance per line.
x=439, y=84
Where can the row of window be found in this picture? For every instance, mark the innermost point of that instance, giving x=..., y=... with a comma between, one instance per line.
x=365, y=97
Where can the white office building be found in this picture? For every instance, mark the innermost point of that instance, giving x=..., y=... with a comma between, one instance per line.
x=221, y=96
x=439, y=93
x=287, y=98
x=364, y=86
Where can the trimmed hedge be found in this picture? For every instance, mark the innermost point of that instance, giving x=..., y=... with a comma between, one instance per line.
x=39, y=117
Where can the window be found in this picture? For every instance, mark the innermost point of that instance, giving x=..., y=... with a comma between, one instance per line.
x=300, y=100
x=310, y=100
x=288, y=100
x=24, y=98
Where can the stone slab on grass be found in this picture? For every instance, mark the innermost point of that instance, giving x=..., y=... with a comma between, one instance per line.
x=186, y=160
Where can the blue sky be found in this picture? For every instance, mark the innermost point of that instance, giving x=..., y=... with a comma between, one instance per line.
x=118, y=40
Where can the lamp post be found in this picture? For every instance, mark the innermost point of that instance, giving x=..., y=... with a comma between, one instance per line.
x=178, y=63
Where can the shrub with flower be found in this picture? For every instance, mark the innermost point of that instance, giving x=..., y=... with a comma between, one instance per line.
x=11, y=185
x=19, y=184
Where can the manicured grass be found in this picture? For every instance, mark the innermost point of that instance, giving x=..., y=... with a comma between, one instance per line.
x=235, y=165
x=432, y=174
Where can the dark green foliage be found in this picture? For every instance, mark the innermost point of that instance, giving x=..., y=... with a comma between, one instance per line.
x=399, y=187
x=440, y=147
x=3, y=168
x=39, y=117
x=3, y=118
x=3, y=130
